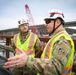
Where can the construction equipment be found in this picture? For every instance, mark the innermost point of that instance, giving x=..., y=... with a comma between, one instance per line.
x=30, y=18
x=4, y=71
x=5, y=47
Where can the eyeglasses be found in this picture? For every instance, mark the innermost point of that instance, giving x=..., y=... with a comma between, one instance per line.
x=48, y=21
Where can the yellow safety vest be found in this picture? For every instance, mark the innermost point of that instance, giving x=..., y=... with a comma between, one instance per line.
x=28, y=45
x=49, y=47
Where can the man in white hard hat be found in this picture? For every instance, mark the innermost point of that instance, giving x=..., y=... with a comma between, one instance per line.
x=26, y=41
x=57, y=56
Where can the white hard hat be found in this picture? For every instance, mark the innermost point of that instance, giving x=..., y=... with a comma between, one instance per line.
x=23, y=21
x=54, y=13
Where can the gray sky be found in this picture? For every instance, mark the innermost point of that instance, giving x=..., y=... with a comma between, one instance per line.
x=12, y=10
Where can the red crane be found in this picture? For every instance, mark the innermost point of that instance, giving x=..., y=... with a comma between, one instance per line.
x=30, y=18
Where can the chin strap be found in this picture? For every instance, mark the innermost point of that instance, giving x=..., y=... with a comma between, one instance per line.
x=54, y=27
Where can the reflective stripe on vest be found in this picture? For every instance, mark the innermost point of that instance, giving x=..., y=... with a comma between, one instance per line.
x=28, y=45
x=48, y=49
x=30, y=52
x=67, y=70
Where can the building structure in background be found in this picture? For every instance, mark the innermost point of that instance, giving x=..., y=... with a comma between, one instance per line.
x=42, y=30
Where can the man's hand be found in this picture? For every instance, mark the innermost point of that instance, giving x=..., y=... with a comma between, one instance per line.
x=16, y=61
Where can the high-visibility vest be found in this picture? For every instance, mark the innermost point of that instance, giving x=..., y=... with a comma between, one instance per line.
x=49, y=47
x=28, y=45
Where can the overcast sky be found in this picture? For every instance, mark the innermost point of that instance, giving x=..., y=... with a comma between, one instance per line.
x=12, y=10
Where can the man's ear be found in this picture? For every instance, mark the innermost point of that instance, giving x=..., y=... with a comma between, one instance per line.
x=58, y=22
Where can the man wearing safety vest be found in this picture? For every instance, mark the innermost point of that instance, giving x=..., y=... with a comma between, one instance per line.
x=27, y=41
x=57, y=57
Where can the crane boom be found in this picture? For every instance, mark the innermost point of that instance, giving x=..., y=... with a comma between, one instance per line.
x=30, y=18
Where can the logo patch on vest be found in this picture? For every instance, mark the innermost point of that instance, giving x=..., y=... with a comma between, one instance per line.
x=61, y=51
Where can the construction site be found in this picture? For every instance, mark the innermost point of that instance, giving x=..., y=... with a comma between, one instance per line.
x=7, y=35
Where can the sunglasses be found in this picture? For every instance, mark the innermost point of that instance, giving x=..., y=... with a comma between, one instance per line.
x=48, y=21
